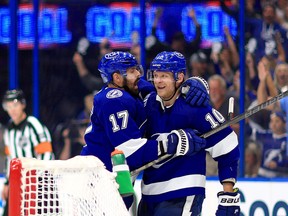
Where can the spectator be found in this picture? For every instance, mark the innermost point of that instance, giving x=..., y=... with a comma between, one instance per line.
x=251, y=11
x=88, y=103
x=281, y=77
x=225, y=58
x=268, y=89
x=274, y=161
x=73, y=138
x=90, y=81
x=199, y=65
x=69, y=136
x=180, y=44
x=24, y=136
x=281, y=7
x=153, y=44
x=268, y=34
x=260, y=120
x=234, y=89
x=252, y=159
x=220, y=98
x=283, y=21
x=252, y=75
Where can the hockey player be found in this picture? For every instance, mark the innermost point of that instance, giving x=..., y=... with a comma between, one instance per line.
x=24, y=136
x=118, y=116
x=177, y=185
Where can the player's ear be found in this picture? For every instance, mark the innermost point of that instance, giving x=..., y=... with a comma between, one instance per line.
x=181, y=77
x=116, y=77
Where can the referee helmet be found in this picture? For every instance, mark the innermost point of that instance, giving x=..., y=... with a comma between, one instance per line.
x=15, y=95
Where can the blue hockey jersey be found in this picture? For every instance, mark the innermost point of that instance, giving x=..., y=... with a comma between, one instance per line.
x=185, y=175
x=118, y=121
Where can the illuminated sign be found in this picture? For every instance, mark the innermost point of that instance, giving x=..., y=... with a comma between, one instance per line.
x=52, y=26
x=118, y=23
x=115, y=21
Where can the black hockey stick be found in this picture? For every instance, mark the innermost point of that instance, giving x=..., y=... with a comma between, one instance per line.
x=238, y=118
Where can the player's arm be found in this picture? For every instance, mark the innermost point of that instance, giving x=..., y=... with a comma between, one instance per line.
x=223, y=147
x=125, y=135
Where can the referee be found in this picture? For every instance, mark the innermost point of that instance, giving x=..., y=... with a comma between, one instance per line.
x=24, y=136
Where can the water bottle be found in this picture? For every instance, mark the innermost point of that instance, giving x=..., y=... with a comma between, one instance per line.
x=123, y=177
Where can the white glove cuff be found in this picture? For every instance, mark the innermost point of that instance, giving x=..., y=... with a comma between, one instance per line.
x=228, y=200
x=183, y=145
x=203, y=81
x=162, y=147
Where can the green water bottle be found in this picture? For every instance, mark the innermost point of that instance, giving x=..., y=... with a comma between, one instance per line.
x=123, y=177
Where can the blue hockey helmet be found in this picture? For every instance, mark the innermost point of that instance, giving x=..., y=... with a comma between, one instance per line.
x=168, y=62
x=116, y=62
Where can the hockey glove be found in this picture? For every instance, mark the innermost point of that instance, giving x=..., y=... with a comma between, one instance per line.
x=184, y=142
x=196, y=91
x=228, y=203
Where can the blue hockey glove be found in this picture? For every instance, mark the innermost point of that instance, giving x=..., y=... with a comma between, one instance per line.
x=184, y=142
x=144, y=88
x=196, y=91
x=228, y=203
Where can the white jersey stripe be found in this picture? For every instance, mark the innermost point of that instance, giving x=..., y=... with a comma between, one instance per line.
x=225, y=146
x=187, y=206
x=131, y=146
x=179, y=183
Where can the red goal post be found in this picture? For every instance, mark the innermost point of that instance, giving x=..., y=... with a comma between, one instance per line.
x=74, y=187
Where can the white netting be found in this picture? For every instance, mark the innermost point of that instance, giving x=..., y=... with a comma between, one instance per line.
x=75, y=187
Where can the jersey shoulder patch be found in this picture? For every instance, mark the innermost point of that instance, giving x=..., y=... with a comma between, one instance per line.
x=114, y=93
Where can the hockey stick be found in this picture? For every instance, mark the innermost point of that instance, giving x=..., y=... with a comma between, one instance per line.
x=238, y=118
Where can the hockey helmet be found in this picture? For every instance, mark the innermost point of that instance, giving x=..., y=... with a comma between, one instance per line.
x=116, y=62
x=168, y=62
x=15, y=95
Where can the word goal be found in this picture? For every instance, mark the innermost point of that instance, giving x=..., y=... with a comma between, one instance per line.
x=75, y=187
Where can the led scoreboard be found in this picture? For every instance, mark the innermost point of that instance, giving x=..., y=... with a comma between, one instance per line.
x=115, y=21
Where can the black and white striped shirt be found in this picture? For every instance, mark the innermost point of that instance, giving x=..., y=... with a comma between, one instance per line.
x=28, y=139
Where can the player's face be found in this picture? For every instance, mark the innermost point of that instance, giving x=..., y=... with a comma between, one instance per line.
x=131, y=80
x=164, y=83
x=15, y=110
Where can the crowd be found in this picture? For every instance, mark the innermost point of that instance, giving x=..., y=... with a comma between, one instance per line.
x=266, y=72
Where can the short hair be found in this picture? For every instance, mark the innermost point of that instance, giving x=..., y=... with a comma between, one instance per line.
x=218, y=78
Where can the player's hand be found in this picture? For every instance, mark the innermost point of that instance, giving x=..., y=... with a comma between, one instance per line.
x=196, y=91
x=184, y=142
x=228, y=203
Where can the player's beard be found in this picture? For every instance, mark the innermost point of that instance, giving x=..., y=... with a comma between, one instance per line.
x=131, y=87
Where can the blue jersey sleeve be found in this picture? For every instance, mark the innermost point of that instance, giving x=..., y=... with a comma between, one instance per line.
x=116, y=122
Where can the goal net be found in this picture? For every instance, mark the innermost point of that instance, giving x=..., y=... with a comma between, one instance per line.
x=74, y=187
